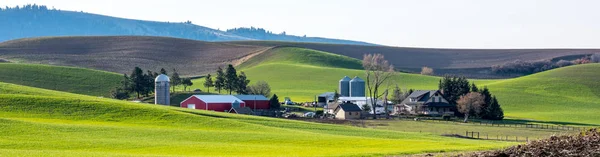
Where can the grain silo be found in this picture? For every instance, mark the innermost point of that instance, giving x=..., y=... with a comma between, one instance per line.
x=357, y=87
x=161, y=90
x=344, y=86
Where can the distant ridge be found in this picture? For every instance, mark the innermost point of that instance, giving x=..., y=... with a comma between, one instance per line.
x=39, y=21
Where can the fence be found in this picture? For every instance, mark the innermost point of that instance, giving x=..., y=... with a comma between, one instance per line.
x=478, y=135
x=502, y=124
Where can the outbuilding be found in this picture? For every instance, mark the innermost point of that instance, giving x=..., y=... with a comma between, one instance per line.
x=221, y=103
x=255, y=102
x=347, y=111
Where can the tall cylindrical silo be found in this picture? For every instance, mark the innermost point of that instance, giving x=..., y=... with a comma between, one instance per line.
x=161, y=90
x=345, y=86
x=357, y=87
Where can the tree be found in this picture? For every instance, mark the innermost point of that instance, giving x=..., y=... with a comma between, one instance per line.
x=367, y=108
x=426, y=71
x=494, y=110
x=274, y=102
x=474, y=87
x=138, y=81
x=208, y=82
x=260, y=88
x=487, y=101
x=453, y=87
x=148, y=83
x=175, y=79
x=231, y=79
x=163, y=71
x=241, y=87
x=468, y=103
x=220, y=80
x=377, y=71
x=397, y=95
x=336, y=95
x=186, y=83
x=119, y=93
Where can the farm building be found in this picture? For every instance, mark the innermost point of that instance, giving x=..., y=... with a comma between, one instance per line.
x=221, y=103
x=426, y=102
x=347, y=111
x=330, y=107
x=241, y=110
x=255, y=102
x=161, y=90
x=325, y=98
x=360, y=101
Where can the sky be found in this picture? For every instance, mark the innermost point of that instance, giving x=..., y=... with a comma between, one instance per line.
x=404, y=23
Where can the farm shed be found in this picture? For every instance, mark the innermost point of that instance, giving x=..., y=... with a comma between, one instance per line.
x=241, y=110
x=255, y=102
x=221, y=103
x=347, y=111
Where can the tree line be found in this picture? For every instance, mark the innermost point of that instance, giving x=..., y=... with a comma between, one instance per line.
x=142, y=84
x=469, y=99
x=231, y=82
x=530, y=67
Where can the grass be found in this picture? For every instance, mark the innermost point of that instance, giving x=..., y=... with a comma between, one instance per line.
x=38, y=122
x=570, y=94
x=68, y=79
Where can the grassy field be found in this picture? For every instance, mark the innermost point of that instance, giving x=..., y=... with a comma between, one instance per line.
x=570, y=94
x=39, y=122
x=68, y=79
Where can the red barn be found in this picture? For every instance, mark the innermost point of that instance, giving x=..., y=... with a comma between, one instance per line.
x=255, y=102
x=221, y=103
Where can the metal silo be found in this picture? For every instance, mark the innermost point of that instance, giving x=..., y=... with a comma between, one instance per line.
x=161, y=90
x=357, y=87
x=344, y=86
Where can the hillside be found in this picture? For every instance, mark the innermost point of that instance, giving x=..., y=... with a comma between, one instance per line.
x=474, y=63
x=303, y=73
x=121, y=54
x=39, y=21
x=37, y=122
x=569, y=94
x=68, y=79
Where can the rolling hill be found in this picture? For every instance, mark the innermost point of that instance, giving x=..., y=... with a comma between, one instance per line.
x=121, y=54
x=39, y=21
x=67, y=79
x=38, y=122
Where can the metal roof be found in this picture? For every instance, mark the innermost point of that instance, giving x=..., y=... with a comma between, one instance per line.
x=346, y=78
x=162, y=78
x=251, y=97
x=350, y=107
x=218, y=98
x=357, y=79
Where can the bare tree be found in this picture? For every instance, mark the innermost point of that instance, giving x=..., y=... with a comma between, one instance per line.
x=470, y=102
x=426, y=71
x=260, y=88
x=377, y=71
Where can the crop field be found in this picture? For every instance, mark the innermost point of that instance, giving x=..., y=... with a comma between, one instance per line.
x=39, y=122
x=68, y=79
x=121, y=54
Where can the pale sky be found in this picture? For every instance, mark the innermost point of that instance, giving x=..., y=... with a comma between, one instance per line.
x=406, y=23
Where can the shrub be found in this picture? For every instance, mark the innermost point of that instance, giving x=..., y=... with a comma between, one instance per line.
x=563, y=63
x=426, y=71
x=527, y=67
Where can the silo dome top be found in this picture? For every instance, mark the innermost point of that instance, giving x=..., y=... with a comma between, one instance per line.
x=162, y=78
x=346, y=78
x=357, y=79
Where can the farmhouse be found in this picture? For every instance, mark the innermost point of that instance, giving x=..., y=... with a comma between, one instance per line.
x=425, y=102
x=255, y=102
x=347, y=111
x=330, y=107
x=221, y=103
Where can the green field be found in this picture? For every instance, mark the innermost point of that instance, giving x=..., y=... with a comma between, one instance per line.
x=39, y=122
x=68, y=79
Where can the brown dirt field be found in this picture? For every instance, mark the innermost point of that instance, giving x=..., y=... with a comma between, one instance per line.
x=122, y=53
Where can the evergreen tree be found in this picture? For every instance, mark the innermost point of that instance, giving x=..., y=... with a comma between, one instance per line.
x=494, y=110
x=474, y=88
x=175, y=79
x=397, y=95
x=138, y=81
x=242, y=84
x=231, y=79
x=163, y=71
x=208, y=82
x=487, y=98
x=220, y=80
x=274, y=102
x=149, y=83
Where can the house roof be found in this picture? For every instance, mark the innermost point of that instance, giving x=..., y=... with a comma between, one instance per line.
x=252, y=97
x=332, y=105
x=349, y=107
x=327, y=94
x=437, y=104
x=218, y=98
x=421, y=96
x=241, y=110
